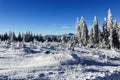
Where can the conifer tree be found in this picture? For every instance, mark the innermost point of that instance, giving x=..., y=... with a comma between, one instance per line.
x=95, y=30
x=82, y=32
x=110, y=28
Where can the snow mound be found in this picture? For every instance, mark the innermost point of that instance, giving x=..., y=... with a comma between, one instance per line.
x=51, y=59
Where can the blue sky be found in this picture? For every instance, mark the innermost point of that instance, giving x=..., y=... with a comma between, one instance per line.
x=52, y=16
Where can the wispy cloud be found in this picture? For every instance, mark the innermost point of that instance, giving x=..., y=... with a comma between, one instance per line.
x=65, y=27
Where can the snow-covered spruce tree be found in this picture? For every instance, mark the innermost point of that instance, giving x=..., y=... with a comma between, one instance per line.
x=95, y=30
x=78, y=31
x=23, y=37
x=19, y=37
x=105, y=32
x=12, y=36
x=63, y=39
x=115, y=35
x=40, y=38
x=55, y=38
x=91, y=37
x=27, y=37
x=119, y=34
x=5, y=37
x=110, y=28
x=82, y=32
x=101, y=40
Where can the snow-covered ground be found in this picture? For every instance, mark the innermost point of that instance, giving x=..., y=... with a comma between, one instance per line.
x=55, y=61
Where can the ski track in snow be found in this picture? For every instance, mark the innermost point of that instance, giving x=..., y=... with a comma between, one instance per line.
x=54, y=61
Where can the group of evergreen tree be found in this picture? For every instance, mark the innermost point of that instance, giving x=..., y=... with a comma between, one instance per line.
x=109, y=37
x=30, y=37
x=26, y=37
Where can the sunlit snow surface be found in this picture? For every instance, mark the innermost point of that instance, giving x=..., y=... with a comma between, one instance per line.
x=55, y=61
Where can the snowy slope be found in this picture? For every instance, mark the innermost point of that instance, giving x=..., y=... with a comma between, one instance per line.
x=53, y=61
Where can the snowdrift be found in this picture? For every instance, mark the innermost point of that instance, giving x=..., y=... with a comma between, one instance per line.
x=54, y=61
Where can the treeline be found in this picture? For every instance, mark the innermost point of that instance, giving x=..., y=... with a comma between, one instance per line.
x=29, y=36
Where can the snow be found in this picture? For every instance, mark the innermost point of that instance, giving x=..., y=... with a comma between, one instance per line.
x=60, y=63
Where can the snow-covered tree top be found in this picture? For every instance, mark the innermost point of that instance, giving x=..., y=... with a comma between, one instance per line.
x=95, y=20
x=109, y=14
x=82, y=19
